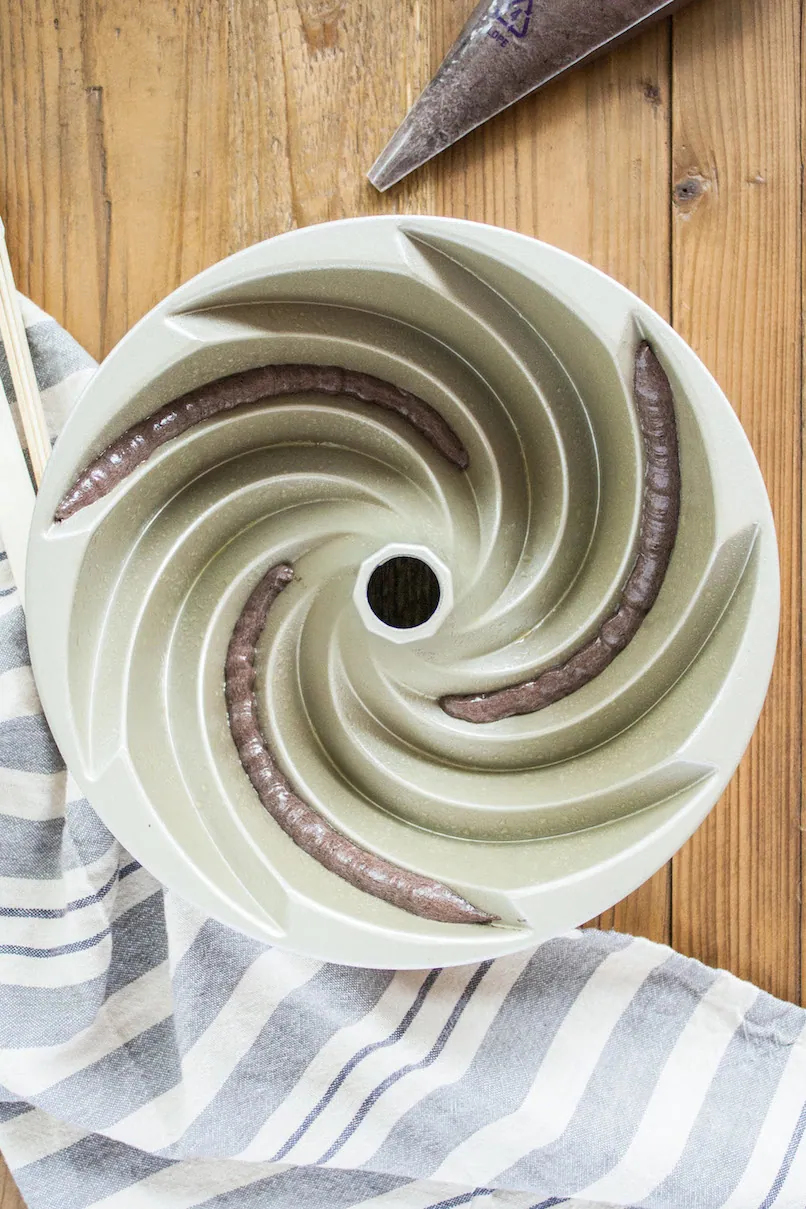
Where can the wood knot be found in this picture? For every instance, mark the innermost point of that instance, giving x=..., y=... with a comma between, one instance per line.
x=689, y=191
x=321, y=22
x=651, y=92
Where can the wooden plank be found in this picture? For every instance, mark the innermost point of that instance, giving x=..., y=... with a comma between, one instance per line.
x=736, y=289
x=142, y=144
x=333, y=79
x=584, y=165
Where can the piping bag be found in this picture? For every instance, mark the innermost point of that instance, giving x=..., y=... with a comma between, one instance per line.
x=507, y=49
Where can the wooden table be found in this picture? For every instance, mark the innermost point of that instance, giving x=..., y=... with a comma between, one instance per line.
x=141, y=142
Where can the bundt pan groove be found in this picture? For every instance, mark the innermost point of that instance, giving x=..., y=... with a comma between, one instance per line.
x=468, y=397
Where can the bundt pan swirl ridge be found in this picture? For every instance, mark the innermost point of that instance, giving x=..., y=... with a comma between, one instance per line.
x=200, y=611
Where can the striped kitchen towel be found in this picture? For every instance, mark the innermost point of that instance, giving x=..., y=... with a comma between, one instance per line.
x=150, y=1057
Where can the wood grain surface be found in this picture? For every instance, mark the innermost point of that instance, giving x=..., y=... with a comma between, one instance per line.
x=140, y=143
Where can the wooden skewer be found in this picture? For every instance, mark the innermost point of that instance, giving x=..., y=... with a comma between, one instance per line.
x=18, y=355
x=17, y=494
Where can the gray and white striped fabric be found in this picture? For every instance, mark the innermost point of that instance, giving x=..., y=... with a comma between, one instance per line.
x=151, y=1057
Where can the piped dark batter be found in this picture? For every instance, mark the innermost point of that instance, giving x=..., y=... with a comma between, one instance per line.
x=137, y=444
x=506, y=50
x=410, y=891
x=659, y=520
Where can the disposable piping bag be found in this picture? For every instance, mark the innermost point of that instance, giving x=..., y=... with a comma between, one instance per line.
x=507, y=49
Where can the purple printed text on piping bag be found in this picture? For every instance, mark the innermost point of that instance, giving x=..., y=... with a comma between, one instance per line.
x=507, y=49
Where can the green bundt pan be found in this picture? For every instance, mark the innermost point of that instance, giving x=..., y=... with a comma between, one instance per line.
x=539, y=820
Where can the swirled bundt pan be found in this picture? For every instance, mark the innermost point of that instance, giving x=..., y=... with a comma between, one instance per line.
x=273, y=749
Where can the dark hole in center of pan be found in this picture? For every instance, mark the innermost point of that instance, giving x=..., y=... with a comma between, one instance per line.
x=403, y=592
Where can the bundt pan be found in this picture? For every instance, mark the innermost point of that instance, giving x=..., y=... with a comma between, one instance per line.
x=602, y=625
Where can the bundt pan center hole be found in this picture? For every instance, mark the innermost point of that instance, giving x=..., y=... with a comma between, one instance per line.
x=403, y=592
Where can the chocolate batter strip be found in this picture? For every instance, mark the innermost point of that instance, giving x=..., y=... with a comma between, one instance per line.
x=137, y=444
x=364, y=870
x=659, y=518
